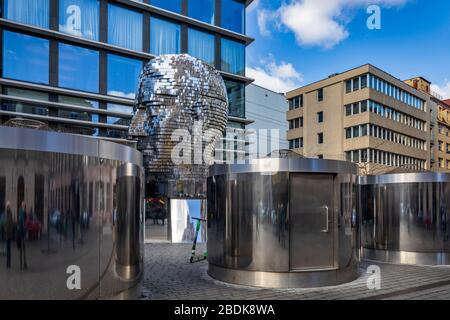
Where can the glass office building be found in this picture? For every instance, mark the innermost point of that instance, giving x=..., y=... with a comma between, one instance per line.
x=74, y=64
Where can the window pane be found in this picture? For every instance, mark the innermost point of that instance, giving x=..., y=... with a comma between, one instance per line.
x=320, y=94
x=355, y=132
x=348, y=86
x=123, y=76
x=25, y=57
x=124, y=27
x=79, y=18
x=202, y=10
x=78, y=68
x=364, y=106
x=83, y=116
x=348, y=110
x=164, y=37
x=233, y=57
x=364, y=81
x=24, y=107
x=34, y=12
x=355, y=84
x=236, y=98
x=171, y=5
x=233, y=15
x=121, y=134
x=201, y=45
x=348, y=133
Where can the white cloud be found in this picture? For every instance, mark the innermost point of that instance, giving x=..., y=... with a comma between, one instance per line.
x=280, y=77
x=253, y=6
x=129, y=95
x=315, y=22
x=443, y=90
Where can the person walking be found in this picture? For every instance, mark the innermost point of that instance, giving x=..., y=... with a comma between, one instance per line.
x=8, y=233
x=22, y=235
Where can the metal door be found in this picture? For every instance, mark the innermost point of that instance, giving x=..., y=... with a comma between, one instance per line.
x=312, y=221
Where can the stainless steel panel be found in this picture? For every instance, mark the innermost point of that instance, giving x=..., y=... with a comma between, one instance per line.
x=36, y=140
x=127, y=227
x=70, y=204
x=248, y=225
x=312, y=216
x=252, y=223
x=273, y=165
x=406, y=216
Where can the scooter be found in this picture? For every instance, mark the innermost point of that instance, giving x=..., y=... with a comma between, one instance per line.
x=203, y=256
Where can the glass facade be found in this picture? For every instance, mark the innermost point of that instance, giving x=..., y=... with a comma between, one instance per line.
x=55, y=60
x=80, y=18
x=165, y=37
x=25, y=57
x=385, y=112
x=203, y=10
x=78, y=68
x=113, y=133
x=236, y=98
x=33, y=12
x=385, y=158
x=386, y=88
x=201, y=45
x=123, y=76
x=170, y=5
x=233, y=57
x=25, y=107
x=124, y=27
x=233, y=15
x=79, y=115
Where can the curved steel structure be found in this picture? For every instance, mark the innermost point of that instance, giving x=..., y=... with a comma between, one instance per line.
x=71, y=216
x=405, y=218
x=283, y=223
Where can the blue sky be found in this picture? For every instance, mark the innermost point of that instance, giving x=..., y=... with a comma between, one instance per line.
x=302, y=41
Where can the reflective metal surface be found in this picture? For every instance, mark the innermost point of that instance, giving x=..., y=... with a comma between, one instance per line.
x=283, y=223
x=181, y=108
x=75, y=212
x=405, y=218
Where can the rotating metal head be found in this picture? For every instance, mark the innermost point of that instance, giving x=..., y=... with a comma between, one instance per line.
x=180, y=112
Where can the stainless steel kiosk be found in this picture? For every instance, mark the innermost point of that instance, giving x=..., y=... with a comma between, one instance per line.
x=405, y=218
x=71, y=216
x=283, y=223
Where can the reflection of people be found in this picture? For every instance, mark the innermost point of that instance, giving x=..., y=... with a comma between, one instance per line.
x=22, y=235
x=8, y=233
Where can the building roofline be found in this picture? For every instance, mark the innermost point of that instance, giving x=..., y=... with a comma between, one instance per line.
x=248, y=2
x=419, y=77
x=264, y=88
x=369, y=65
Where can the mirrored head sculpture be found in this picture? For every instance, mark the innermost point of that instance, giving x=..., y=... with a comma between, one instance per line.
x=180, y=113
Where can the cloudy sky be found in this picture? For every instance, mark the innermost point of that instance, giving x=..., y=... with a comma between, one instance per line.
x=302, y=41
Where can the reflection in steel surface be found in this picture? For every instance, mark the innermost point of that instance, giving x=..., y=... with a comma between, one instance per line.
x=295, y=227
x=405, y=218
x=81, y=206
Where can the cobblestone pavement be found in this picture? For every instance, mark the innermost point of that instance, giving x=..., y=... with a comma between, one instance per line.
x=169, y=275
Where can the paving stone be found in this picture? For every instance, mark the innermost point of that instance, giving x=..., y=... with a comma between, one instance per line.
x=169, y=275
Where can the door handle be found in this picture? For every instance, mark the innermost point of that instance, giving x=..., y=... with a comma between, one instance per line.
x=326, y=230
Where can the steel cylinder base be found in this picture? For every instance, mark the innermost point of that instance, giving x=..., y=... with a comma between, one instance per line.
x=407, y=257
x=293, y=279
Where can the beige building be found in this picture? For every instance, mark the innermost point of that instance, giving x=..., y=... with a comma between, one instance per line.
x=442, y=154
x=439, y=125
x=364, y=115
